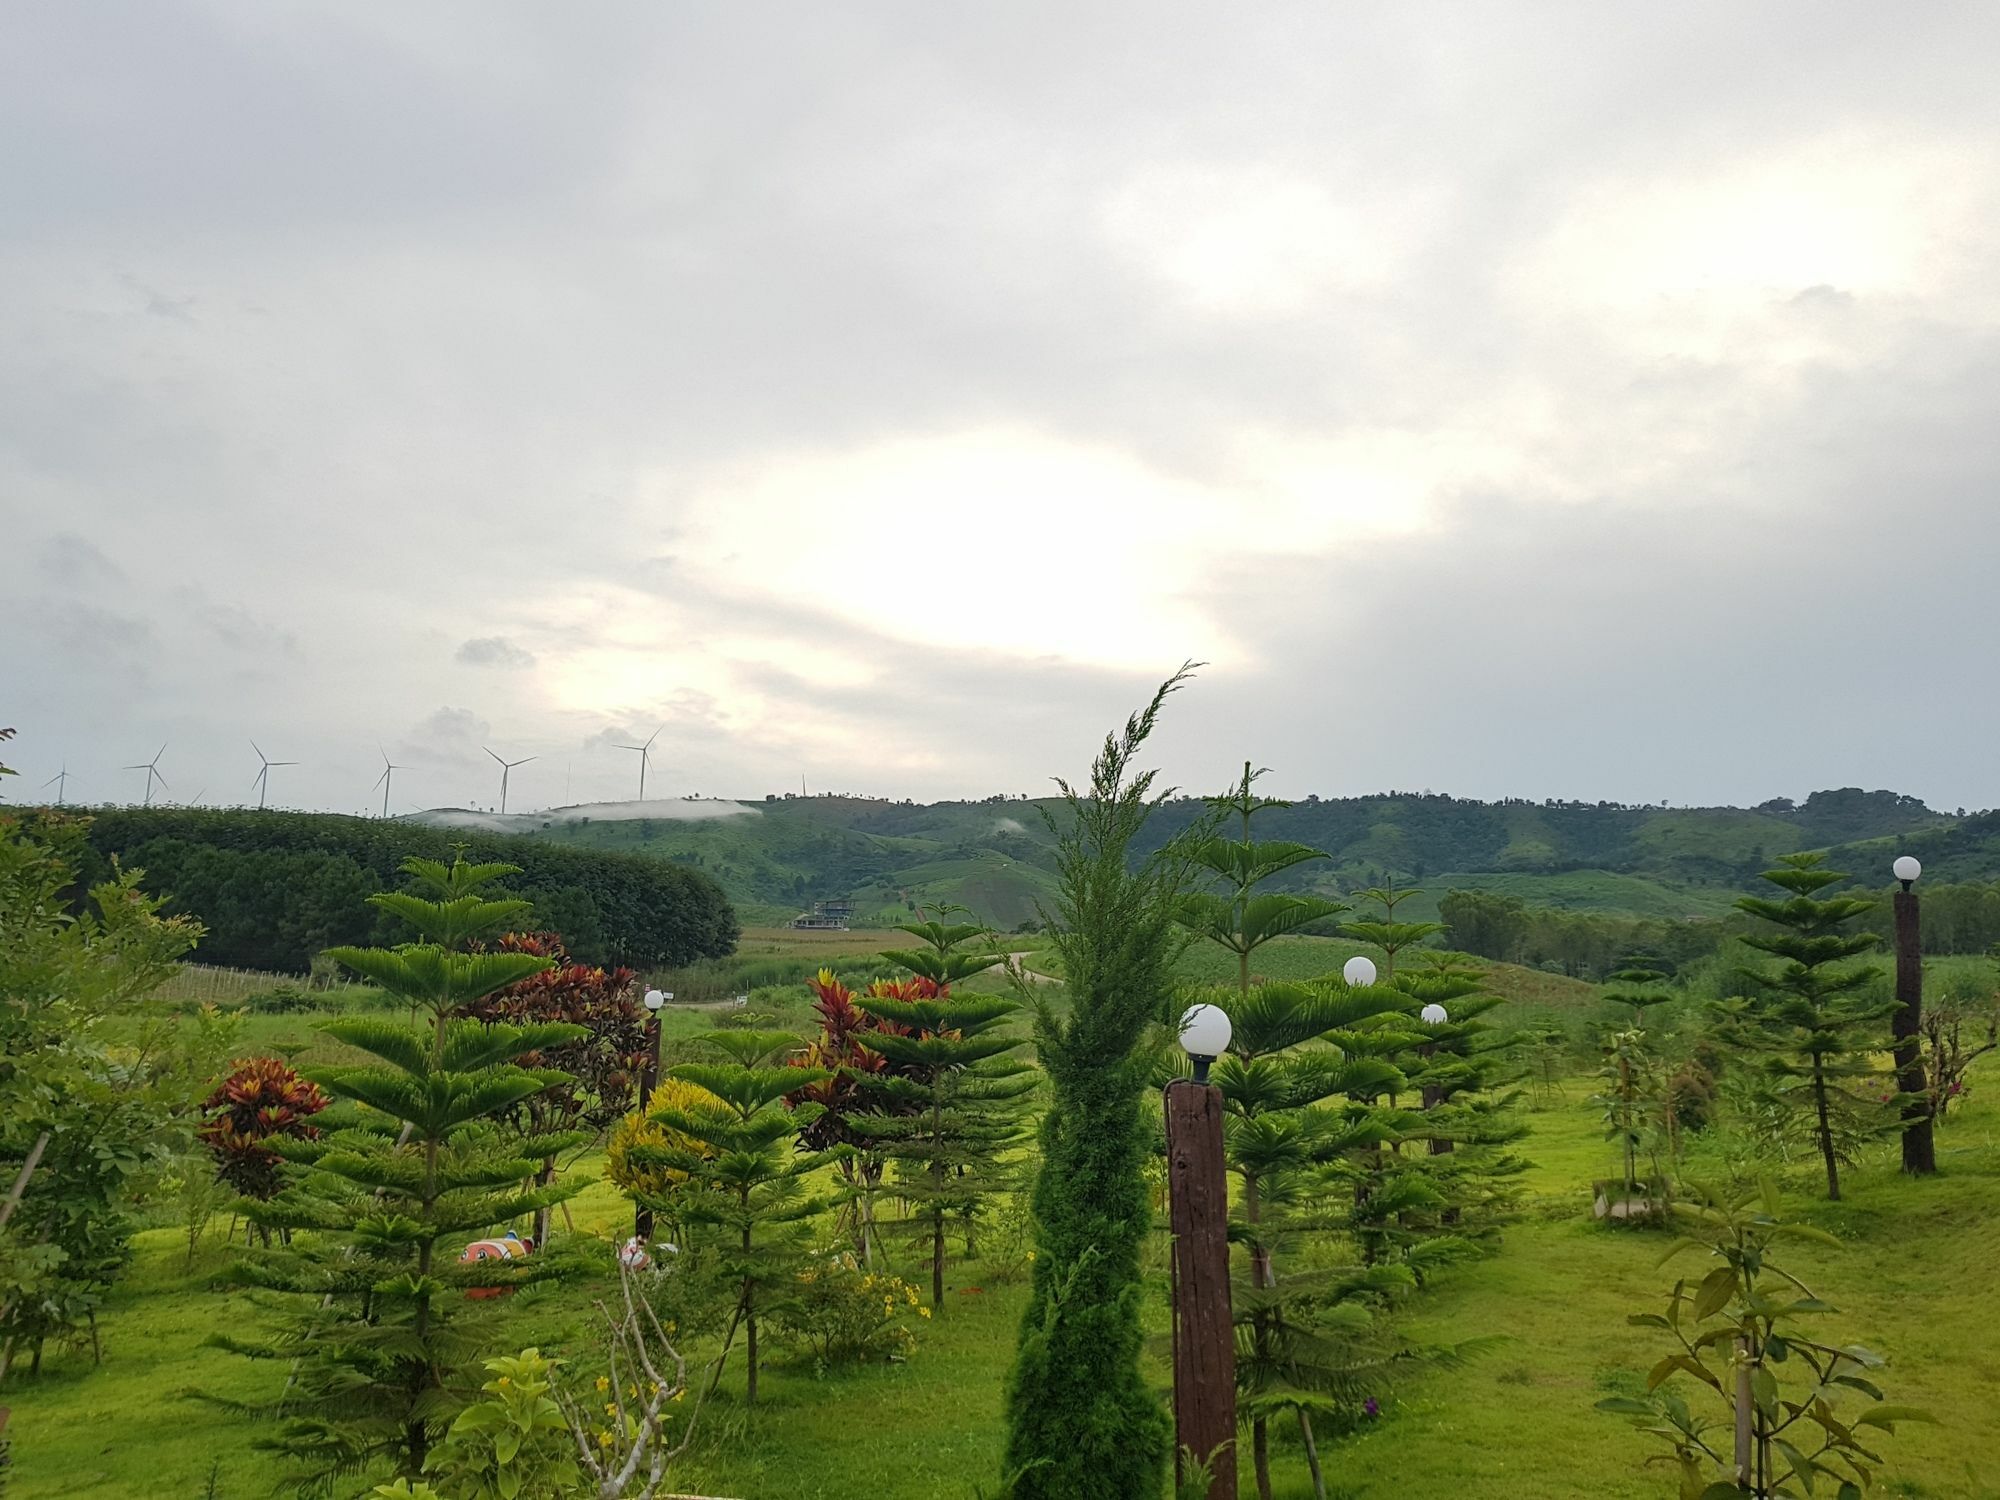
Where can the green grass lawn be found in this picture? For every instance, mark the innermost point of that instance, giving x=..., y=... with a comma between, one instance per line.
x=1517, y=1424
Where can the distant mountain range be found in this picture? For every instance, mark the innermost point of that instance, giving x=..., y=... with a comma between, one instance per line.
x=777, y=856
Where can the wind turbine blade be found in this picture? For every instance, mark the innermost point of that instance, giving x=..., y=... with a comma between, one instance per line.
x=163, y=782
x=260, y=775
x=54, y=779
x=379, y=780
x=525, y=759
x=287, y=762
x=260, y=754
x=489, y=752
x=655, y=735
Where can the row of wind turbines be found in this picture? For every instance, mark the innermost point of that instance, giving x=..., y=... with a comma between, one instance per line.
x=261, y=783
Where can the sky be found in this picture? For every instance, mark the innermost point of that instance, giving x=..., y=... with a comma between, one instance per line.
x=1541, y=400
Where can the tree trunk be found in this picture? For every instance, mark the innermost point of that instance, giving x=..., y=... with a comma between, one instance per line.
x=542, y=1179
x=1825, y=1135
x=1312, y=1455
x=937, y=1260
x=1260, y=1453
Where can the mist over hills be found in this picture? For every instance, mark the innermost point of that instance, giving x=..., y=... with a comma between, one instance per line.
x=996, y=856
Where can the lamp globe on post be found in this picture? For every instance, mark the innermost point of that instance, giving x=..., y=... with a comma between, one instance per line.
x=1205, y=1033
x=1358, y=970
x=649, y=1077
x=1433, y=1015
x=1908, y=867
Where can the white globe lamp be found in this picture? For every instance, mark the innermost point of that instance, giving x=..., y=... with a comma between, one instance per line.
x=1433, y=1015
x=1205, y=1033
x=1908, y=868
x=656, y=998
x=1358, y=970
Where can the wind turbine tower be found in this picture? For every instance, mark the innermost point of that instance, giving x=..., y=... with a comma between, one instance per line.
x=60, y=781
x=152, y=770
x=645, y=755
x=386, y=778
x=262, y=781
x=506, y=767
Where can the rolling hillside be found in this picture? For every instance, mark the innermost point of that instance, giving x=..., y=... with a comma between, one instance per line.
x=997, y=857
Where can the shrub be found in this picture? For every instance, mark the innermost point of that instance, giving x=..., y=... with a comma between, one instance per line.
x=261, y=1100
x=285, y=999
x=840, y=1314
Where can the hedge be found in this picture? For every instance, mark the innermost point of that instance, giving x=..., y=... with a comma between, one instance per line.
x=275, y=888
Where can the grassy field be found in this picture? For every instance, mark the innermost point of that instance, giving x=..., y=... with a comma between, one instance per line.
x=1518, y=1424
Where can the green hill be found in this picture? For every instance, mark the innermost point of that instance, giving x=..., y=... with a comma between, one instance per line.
x=776, y=857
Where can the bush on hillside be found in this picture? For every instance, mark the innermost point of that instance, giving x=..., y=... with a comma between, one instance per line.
x=275, y=888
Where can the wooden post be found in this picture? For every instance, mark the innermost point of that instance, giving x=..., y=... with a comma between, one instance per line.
x=1204, y=1331
x=649, y=1079
x=1907, y=1024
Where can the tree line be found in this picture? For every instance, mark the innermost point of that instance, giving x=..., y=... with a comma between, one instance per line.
x=275, y=889
x=1958, y=918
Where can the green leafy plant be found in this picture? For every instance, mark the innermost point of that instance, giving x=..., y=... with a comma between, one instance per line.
x=78, y=1124
x=1797, y=1413
x=514, y=1443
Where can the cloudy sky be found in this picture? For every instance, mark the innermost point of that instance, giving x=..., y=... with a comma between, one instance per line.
x=1510, y=399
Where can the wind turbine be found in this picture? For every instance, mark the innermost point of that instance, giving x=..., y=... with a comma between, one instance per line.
x=152, y=770
x=388, y=776
x=506, y=766
x=645, y=755
x=60, y=781
x=263, y=778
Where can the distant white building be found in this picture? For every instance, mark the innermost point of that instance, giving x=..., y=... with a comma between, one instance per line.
x=826, y=916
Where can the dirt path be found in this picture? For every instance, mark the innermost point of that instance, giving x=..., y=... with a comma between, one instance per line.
x=1014, y=963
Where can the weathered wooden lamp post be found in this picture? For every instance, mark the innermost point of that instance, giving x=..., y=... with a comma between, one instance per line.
x=1907, y=1025
x=649, y=1079
x=1198, y=1205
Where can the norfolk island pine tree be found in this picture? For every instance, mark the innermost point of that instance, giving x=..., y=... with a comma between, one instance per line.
x=376, y=1363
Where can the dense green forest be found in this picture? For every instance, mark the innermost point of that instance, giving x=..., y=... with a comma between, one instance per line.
x=275, y=888
x=1648, y=864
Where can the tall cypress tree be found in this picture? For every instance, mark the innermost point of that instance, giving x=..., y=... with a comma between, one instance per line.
x=1821, y=1035
x=389, y=1190
x=1081, y=1424
x=950, y=1103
